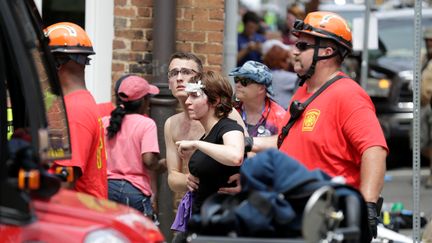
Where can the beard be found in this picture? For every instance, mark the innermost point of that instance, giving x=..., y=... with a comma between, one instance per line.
x=299, y=67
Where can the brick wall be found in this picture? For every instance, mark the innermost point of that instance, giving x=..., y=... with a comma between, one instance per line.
x=199, y=29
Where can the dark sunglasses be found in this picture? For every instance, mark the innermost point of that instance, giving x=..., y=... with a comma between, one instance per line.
x=300, y=25
x=183, y=71
x=303, y=46
x=243, y=81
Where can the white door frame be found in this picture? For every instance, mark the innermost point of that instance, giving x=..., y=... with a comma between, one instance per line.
x=99, y=25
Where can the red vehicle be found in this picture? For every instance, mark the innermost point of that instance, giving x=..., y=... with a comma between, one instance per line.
x=33, y=133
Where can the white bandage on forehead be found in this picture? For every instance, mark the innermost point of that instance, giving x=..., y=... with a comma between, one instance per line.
x=195, y=88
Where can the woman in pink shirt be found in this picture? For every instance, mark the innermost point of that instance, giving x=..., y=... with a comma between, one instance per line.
x=132, y=145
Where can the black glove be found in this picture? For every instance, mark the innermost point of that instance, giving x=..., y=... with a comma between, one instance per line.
x=372, y=218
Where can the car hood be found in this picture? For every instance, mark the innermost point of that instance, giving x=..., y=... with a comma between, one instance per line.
x=87, y=213
x=395, y=64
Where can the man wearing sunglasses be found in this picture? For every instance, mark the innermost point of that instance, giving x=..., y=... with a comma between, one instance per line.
x=253, y=85
x=338, y=131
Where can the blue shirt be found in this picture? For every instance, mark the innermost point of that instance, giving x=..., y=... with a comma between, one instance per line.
x=242, y=42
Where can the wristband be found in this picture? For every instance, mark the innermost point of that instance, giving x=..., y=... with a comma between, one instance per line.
x=248, y=144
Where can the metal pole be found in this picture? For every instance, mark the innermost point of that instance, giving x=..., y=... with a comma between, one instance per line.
x=365, y=52
x=164, y=104
x=416, y=121
x=230, y=37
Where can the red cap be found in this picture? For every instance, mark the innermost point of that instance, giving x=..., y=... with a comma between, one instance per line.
x=134, y=88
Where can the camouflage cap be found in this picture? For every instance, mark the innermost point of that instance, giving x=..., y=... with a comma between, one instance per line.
x=256, y=71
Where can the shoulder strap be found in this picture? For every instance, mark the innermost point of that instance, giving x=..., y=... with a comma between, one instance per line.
x=296, y=109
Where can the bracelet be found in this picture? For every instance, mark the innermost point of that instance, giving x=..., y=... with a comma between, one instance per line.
x=248, y=144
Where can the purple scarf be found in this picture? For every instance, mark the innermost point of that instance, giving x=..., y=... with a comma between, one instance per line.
x=184, y=212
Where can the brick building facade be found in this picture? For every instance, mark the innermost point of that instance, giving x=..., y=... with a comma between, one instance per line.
x=199, y=29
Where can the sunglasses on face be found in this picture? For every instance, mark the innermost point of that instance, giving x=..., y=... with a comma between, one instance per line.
x=303, y=46
x=243, y=81
x=184, y=72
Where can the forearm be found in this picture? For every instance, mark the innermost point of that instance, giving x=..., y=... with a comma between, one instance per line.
x=224, y=154
x=157, y=165
x=242, y=53
x=263, y=143
x=372, y=171
x=154, y=187
x=177, y=181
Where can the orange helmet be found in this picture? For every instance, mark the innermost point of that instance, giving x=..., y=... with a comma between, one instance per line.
x=326, y=25
x=68, y=38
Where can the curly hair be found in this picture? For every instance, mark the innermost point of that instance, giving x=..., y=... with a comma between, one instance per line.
x=219, y=92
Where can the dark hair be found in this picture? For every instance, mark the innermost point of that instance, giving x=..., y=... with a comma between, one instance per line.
x=342, y=51
x=122, y=108
x=250, y=16
x=187, y=56
x=217, y=88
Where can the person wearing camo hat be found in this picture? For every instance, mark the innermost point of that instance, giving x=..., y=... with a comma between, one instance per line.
x=253, y=88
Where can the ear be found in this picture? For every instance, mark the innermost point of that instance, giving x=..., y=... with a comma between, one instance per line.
x=262, y=89
x=329, y=51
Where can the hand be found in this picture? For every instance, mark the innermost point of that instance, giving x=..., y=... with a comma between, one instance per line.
x=372, y=218
x=154, y=203
x=232, y=190
x=185, y=146
x=192, y=182
x=253, y=46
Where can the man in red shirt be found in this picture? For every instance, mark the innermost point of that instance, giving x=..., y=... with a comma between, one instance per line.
x=71, y=47
x=338, y=131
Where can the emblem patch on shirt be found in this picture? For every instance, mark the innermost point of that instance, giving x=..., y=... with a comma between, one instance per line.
x=310, y=120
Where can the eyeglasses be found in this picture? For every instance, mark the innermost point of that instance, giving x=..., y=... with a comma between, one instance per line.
x=184, y=72
x=244, y=81
x=303, y=46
